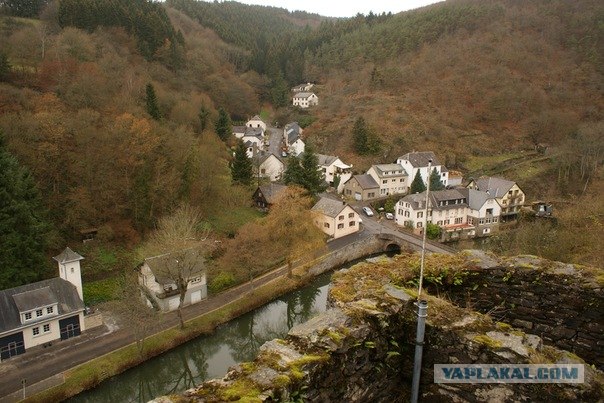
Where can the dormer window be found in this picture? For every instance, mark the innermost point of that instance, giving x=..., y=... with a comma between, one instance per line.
x=27, y=315
x=50, y=309
x=38, y=313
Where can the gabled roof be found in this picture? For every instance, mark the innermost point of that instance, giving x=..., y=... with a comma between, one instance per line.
x=380, y=169
x=262, y=157
x=271, y=191
x=304, y=95
x=67, y=256
x=329, y=207
x=420, y=159
x=326, y=160
x=417, y=200
x=365, y=181
x=293, y=132
x=496, y=187
x=164, y=266
x=476, y=198
x=28, y=296
x=253, y=132
x=256, y=117
x=239, y=129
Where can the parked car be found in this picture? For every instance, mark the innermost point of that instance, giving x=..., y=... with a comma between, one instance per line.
x=389, y=216
x=367, y=211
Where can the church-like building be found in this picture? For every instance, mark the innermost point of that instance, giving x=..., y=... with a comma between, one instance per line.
x=40, y=313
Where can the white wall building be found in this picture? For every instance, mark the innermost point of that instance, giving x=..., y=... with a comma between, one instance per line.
x=256, y=122
x=305, y=99
x=333, y=167
x=335, y=218
x=418, y=161
x=392, y=178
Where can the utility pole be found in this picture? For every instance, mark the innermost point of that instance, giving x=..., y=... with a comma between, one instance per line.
x=422, y=305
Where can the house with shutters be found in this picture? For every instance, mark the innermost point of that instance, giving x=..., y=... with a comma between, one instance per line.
x=361, y=188
x=43, y=312
x=335, y=217
x=305, y=99
x=157, y=277
x=418, y=161
x=334, y=170
x=392, y=178
x=460, y=213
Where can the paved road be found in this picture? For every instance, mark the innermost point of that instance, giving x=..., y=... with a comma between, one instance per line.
x=39, y=363
x=275, y=136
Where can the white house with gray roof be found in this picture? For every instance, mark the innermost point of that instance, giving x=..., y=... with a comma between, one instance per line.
x=418, y=161
x=335, y=217
x=507, y=193
x=157, y=276
x=305, y=99
x=332, y=167
x=392, y=178
x=268, y=166
x=256, y=122
x=43, y=312
x=292, y=137
x=460, y=213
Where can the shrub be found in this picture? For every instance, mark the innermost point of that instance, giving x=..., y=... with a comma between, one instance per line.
x=221, y=282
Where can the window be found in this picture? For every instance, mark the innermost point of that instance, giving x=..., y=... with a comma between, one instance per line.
x=350, y=215
x=348, y=192
x=326, y=225
x=27, y=315
x=385, y=181
x=340, y=226
x=486, y=230
x=470, y=221
x=458, y=220
x=352, y=223
x=420, y=214
x=38, y=313
x=439, y=222
x=495, y=219
x=372, y=194
x=341, y=218
x=402, y=180
x=490, y=211
x=263, y=171
x=393, y=180
x=447, y=222
x=50, y=309
x=46, y=328
x=481, y=221
x=35, y=331
x=488, y=220
x=72, y=270
x=419, y=224
x=407, y=214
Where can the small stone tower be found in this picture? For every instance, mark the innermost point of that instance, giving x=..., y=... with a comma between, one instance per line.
x=69, y=268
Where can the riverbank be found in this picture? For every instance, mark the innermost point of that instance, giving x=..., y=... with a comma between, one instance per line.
x=200, y=319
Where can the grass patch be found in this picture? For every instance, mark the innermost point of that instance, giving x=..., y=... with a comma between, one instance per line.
x=229, y=221
x=484, y=163
x=99, y=291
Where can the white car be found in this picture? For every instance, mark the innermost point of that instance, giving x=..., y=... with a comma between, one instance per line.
x=389, y=216
x=367, y=211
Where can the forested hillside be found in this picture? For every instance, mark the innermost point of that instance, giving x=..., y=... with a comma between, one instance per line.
x=111, y=104
x=74, y=110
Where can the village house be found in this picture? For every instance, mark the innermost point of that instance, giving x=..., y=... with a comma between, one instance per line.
x=256, y=122
x=43, y=312
x=460, y=213
x=305, y=99
x=507, y=193
x=157, y=277
x=267, y=195
x=418, y=161
x=269, y=166
x=303, y=87
x=392, y=178
x=253, y=139
x=334, y=170
x=362, y=187
x=335, y=218
x=292, y=137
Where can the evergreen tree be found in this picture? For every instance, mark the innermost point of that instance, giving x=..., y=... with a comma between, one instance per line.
x=23, y=227
x=359, y=136
x=312, y=179
x=435, y=183
x=204, y=113
x=293, y=172
x=151, y=99
x=418, y=185
x=223, y=125
x=5, y=67
x=364, y=141
x=241, y=166
x=280, y=92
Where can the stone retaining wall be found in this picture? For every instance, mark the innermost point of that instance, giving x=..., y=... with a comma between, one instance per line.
x=561, y=303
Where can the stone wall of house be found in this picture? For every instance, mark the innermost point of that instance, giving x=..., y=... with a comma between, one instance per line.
x=561, y=303
x=362, y=350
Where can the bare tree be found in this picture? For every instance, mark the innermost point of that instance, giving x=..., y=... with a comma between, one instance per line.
x=177, y=245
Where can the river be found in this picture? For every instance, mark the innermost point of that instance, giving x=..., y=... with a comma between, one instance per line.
x=208, y=357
